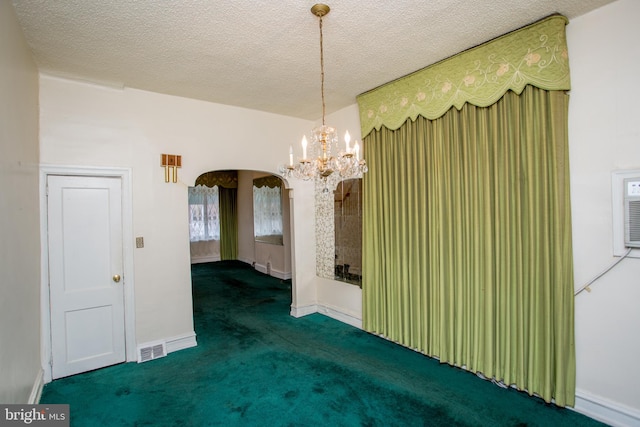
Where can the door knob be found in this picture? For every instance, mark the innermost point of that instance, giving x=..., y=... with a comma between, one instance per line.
x=116, y=278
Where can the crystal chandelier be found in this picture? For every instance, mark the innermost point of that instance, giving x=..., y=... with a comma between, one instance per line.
x=319, y=162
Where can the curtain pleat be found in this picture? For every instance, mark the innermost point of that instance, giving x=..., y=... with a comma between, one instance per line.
x=228, y=223
x=467, y=240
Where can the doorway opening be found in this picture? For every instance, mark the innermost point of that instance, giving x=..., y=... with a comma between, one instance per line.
x=222, y=215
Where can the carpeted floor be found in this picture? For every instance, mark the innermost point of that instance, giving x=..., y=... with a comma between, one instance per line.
x=255, y=365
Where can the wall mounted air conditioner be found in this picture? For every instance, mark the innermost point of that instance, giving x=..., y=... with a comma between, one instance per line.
x=632, y=212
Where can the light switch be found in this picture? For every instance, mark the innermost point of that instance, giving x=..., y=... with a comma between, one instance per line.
x=139, y=242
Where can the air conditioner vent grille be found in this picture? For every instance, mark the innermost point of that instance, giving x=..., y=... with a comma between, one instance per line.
x=632, y=213
x=634, y=221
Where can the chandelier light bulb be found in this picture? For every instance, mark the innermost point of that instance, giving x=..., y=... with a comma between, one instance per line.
x=347, y=139
x=304, y=147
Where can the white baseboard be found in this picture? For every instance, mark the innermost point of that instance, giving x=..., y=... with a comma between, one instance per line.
x=169, y=345
x=275, y=273
x=602, y=409
x=36, y=390
x=181, y=342
x=304, y=310
x=340, y=315
x=328, y=311
x=281, y=274
x=260, y=267
x=202, y=259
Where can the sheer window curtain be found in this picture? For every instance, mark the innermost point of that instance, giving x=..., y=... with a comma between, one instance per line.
x=267, y=211
x=204, y=218
x=467, y=240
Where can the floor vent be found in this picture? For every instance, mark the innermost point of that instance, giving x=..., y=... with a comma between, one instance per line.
x=152, y=351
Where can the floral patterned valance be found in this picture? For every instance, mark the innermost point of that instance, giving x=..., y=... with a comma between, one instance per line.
x=270, y=181
x=534, y=55
x=226, y=179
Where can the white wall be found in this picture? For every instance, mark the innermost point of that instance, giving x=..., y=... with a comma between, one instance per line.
x=246, y=240
x=303, y=256
x=89, y=125
x=337, y=299
x=19, y=206
x=604, y=136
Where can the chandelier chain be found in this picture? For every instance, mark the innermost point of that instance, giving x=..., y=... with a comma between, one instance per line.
x=322, y=71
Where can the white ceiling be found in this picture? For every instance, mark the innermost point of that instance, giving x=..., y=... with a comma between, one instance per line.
x=260, y=54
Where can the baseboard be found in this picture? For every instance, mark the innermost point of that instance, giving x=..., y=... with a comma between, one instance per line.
x=275, y=273
x=601, y=409
x=340, y=315
x=304, y=310
x=36, y=390
x=261, y=268
x=281, y=274
x=181, y=342
x=202, y=259
x=328, y=311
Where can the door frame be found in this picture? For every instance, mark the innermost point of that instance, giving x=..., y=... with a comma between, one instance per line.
x=127, y=257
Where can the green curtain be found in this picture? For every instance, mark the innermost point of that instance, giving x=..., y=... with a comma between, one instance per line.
x=228, y=223
x=467, y=240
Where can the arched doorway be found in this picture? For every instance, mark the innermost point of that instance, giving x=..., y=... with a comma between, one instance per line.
x=235, y=192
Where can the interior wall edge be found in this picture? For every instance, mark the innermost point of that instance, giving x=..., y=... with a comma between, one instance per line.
x=36, y=390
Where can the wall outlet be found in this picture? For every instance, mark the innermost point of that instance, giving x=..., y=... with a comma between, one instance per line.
x=139, y=242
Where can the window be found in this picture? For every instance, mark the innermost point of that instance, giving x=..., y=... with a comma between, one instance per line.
x=267, y=213
x=204, y=218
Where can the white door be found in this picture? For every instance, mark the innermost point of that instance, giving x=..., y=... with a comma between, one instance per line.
x=85, y=273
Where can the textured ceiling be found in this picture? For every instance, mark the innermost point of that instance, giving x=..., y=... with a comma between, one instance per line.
x=264, y=55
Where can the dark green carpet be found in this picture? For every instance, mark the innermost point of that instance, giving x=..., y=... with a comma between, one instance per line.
x=256, y=365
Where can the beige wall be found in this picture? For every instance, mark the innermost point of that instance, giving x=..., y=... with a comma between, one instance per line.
x=90, y=125
x=19, y=206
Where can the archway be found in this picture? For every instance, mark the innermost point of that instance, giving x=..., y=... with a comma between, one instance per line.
x=271, y=257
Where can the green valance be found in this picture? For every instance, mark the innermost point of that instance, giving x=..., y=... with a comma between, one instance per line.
x=534, y=55
x=270, y=181
x=226, y=179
